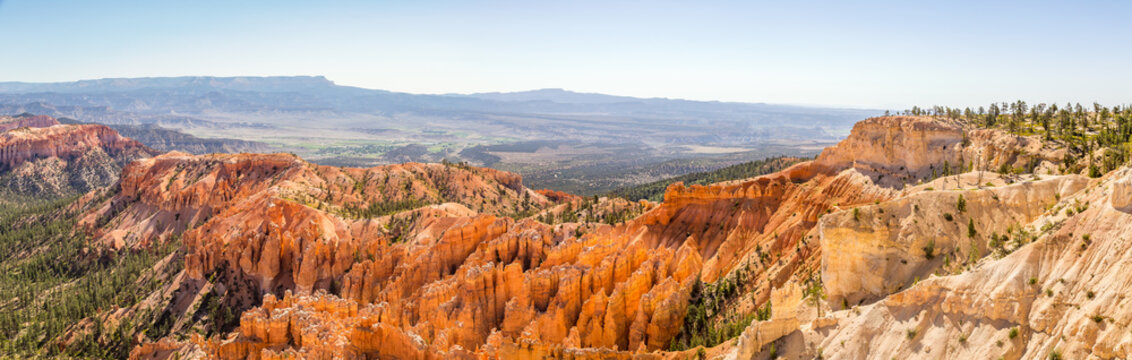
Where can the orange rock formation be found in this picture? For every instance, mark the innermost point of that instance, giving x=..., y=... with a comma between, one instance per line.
x=435, y=269
x=37, y=121
x=41, y=158
x=66, y=142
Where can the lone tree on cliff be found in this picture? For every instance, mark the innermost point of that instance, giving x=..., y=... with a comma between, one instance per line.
x=815, y=293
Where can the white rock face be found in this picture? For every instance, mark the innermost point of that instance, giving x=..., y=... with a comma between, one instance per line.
x=758, y=335
x=1122, y=193
x=1057, y=284
x=1066, y=292
x=884, y=248
x=900, y=150
x=909, y=145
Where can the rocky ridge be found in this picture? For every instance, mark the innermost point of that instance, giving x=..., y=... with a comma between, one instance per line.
x=622, y=288
x=1024, y=266
x=41, y=158
x=19, y=121
x=427, y=258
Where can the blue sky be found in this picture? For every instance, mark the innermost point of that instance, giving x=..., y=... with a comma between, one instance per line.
x=856, y=54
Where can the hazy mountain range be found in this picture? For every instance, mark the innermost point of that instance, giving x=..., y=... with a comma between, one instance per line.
x=538, y=133
x=196, y=95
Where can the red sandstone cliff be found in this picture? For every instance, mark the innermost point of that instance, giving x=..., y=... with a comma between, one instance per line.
x=42, y=158
x=36, y=121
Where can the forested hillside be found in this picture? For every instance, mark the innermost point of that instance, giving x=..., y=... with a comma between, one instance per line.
x=1097, y=138
x=654, y=191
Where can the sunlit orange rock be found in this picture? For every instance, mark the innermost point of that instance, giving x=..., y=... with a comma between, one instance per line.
x=35, y=121
x=451, y=275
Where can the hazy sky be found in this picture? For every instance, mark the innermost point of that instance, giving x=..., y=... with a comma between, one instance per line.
x=860, y=54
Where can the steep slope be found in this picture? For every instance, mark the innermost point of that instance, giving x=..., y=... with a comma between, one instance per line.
x=52, y=277
x=1060, y=292
x=26, y=120
x=900, y=150
x=40, y=158
x=1006, y=266
x=258, y=224
x=283, y=258
x=500, y=282
x=169, y=193
x=654, y=191
x=882, y=248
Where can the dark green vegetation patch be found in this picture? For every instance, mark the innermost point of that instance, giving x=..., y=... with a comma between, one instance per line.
x=654, y=191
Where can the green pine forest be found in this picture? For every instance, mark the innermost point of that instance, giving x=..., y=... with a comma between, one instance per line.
x=654, y=191
x=52, y=278
x=1097, y=138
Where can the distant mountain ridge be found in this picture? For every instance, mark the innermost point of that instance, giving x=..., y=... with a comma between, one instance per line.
x=350, y=126
x=261, y=102
x=554, y=95
x=240, y=83
x=322, y=87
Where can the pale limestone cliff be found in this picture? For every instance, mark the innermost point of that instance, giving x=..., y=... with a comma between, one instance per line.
x=996, y=265
x=876, y=250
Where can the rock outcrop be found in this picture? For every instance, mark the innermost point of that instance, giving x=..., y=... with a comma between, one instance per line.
x=430, y=261
x=879, y=249
x=1060, y=293
x=66, y=142
x=908, y=146
x=31, y=121
x=464, y=280
x=899, y=150
x=170, y=193
x=1024, y=267
x=39, y=157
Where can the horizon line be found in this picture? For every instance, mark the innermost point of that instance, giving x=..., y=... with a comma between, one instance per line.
x=453, y=94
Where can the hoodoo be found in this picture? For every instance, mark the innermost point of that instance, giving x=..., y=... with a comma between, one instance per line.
x=269, y=256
